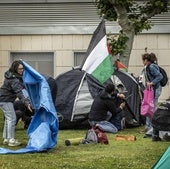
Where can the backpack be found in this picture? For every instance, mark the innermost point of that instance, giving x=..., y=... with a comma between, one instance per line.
x=95, y=135
x=164, y=80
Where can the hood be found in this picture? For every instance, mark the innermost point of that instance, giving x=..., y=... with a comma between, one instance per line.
x=104, y=95
x=10, y=75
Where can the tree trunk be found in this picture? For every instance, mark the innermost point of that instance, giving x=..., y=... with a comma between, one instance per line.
x=128, y=30
x=126, y=54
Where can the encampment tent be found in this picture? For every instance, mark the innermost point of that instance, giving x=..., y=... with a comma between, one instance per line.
x=76, y=90
x=164, y=161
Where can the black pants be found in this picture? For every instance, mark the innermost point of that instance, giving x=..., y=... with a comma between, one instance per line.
x=22, y=113
x=155, y=132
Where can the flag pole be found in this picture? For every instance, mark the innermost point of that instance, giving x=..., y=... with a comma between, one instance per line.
x=86, y=55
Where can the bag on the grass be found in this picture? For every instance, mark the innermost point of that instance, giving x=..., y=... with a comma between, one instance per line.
x=95, y=135
x=147, y=105
x=125, y=138
x=161, y=118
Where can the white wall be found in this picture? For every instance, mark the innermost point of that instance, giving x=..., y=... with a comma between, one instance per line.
x=160, y=45
x=65, y=45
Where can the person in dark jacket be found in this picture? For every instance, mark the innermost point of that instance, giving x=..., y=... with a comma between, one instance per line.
x=22, y=112
x=103, y=108
x=11, y=90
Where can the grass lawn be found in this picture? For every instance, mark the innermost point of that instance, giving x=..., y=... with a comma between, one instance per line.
x=139, y=154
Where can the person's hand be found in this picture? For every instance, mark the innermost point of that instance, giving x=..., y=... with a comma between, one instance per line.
x=149, y=84
x=122, y=105
x=140, y=78
x=120, y=95
x=29, y=107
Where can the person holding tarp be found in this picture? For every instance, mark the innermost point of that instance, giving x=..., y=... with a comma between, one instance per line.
x=11, y=89
x=103, y=109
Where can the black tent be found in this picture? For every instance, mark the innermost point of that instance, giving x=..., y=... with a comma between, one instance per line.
x=76, y=90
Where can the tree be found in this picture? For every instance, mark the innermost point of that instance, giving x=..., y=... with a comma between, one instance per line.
x=133, y=17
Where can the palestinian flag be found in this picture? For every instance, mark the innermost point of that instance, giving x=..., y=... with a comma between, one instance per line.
x=97, y=61
x=121, y=66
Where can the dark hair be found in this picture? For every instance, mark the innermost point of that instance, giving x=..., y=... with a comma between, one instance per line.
x=110, y=88
x=150, y=57
x=145, y=56
x=153, y=58
x=15, y=66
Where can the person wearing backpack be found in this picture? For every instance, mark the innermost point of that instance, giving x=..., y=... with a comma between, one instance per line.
x=153, y=78
x=164, y=80
x=104, y=107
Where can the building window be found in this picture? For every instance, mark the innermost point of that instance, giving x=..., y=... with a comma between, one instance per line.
x=78, y=58
x=43, y=62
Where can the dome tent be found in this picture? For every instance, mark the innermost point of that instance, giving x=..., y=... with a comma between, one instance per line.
x=164, y=161
x=76, y=90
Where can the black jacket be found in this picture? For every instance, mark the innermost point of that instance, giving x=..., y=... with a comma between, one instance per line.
x=12, y=88
x=101, y=105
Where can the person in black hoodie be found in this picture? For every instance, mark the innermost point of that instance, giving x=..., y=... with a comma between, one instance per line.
x=104, y=107
x=22, y=112
x=11, y=90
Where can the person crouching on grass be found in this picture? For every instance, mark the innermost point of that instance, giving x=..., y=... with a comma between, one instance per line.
x=104, y=108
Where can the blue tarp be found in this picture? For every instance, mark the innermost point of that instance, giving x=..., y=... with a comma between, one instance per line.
x=43, y=129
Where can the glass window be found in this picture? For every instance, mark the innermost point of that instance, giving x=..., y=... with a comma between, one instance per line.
x=43, y=62
x=78, y=58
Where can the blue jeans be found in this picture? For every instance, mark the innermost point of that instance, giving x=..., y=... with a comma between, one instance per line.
x=117, y=121
x=105, y=126
x=10, y=120
x=156, y=97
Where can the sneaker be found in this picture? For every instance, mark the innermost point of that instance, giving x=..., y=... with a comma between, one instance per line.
x=143, y=131
x=147, y=136
x=13, y=143
x=6, y=141
x=166, y=137
x=149, y=131
x=156, y=138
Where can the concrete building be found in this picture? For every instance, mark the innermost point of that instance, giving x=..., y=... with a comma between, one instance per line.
x=53, y=36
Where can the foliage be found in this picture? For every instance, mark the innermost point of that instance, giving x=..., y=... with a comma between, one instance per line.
x=139, y=154
x=106, y=8
x=137, y=12
x=118, y=45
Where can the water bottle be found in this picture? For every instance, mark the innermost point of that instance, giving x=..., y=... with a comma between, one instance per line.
x=74, y=141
